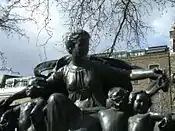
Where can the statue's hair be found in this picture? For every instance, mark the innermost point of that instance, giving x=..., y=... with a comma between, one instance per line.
x=72, y=38
x=132, y=97
x=115, y=95
x=117, y=91
x=145, y=94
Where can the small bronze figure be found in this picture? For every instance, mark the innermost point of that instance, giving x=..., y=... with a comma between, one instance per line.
x=115, y=117
x=143, y=120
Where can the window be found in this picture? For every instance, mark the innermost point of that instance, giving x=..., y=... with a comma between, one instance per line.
x=24, y=83
x=17, y=84
x=118, y=55
x=153, y=66
x=113, y=56
x=135, y=82
x=142, y=53
x=124, y=55
x=9, y=84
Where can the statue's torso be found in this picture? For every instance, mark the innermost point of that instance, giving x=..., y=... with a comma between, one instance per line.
x=113, y=120
x=141, y=122
x=80, y=84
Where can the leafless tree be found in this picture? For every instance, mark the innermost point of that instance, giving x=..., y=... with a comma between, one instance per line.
x=3, y=65
x=13, y=14
x=124, y=21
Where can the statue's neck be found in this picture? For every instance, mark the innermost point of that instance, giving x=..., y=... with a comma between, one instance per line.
x=74, y=66
x=78, y=61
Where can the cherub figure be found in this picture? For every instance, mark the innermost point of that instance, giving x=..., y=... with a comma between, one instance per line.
x=143, y=120
x=116, y=116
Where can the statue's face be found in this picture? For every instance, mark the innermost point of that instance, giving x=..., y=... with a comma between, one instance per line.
x=132, y=98
x=141, y=103
x=82, y=47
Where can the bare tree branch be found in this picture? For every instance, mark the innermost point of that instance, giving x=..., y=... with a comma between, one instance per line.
x=122, y=19
x=3, y=65
x=120, y=27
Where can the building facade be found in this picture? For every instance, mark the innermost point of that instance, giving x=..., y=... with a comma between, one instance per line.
x=154, y=57
x=11, y=84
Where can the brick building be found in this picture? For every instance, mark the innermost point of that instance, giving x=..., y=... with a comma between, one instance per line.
x=154, y=57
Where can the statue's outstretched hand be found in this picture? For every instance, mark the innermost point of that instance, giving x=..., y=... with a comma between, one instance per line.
x=156, y=73
x=159, y=71
x=165, y=122
x=163, y=82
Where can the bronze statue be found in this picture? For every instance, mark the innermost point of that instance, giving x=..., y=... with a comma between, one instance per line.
x=78, y=86
x=83, y=78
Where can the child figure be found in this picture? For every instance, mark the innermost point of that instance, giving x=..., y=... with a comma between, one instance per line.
x=116, y=116
x=143, y=120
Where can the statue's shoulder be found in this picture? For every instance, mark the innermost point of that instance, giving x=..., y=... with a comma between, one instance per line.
x=114, y=62
x=62, y=62
x=44, y=68
x=141, y=116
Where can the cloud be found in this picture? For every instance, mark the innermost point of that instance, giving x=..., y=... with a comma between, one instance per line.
x=23, y=56
x=162, y=24
x=20, y=56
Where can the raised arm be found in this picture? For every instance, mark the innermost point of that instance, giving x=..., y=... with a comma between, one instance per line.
x=21, y=94
x=138, y=74
x=156, y=116
x=39, y=88
x=112, y=72
x=7, y=101
x=162, y=83
x=55, y=83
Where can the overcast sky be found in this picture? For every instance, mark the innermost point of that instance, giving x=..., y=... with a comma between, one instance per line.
x=23, y=55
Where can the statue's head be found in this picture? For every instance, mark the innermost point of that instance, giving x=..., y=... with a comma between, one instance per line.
x=117, y=97
x=132, y=97
x=78, y=41
x=142, y=103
